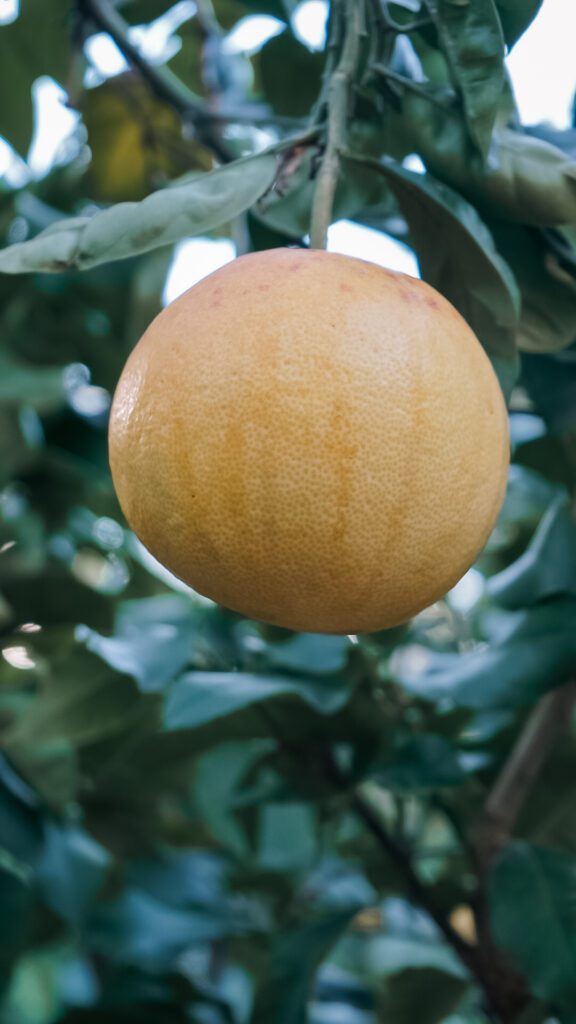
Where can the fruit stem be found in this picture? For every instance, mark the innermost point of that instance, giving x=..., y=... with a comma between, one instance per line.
x=339, y=89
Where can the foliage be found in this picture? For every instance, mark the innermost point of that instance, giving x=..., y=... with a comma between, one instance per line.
x=208, y=820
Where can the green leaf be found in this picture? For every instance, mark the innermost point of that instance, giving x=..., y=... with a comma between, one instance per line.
x=287, y=839
x=135, y=140
x=457, y=256
x=471, y=38
x=550, y=380
x=142, y=930
x=427, y=996
x=217, y=777
x=525, y=179
x=83, y=702
x=425, y=762
x=21, y=824
x=136, y=1013
x=37, y=43
x=408, y=940
x=548, y=566
x=516, y=16
x=201, y=697
x=72, y=872
x=153, y=641
x=283, y=57
x=52, y=596
x=532, y=895
x=310, y=652
x=295, y=957
x=16, y=902
x=532, y=652
x=548, y=315
x=161, y=219
x=42, y=387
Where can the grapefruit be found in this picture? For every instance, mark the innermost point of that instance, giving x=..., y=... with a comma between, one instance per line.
x=312, y=441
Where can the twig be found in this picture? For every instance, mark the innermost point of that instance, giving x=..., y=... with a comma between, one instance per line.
x=546, y=724
x=168, y=87
x=503, y=990
x=164, y=83
x=338, y=101
x=365, y=807
x=409, y=26
x=408, y=83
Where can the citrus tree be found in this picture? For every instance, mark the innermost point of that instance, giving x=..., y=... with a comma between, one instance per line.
x=203, y=818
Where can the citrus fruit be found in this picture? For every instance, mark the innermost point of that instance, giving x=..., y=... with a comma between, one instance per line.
x=312, y=441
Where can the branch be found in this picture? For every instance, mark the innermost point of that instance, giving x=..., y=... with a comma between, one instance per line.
x=365, y=806
x=409, y=26
x=546, y=724
x=504, y=991
x=168, y=87
x=419, y=89
x=338, y=101
x=163, y=82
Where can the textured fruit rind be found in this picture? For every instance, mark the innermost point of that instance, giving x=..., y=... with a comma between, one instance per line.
x=311, y=440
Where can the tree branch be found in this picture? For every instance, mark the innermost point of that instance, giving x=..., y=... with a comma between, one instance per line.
x=546, y=724
x=338, y=112
x=164, y=83
x=168, y=87
x=504, y=991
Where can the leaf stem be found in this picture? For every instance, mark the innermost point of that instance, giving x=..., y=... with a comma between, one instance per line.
x=339, y=88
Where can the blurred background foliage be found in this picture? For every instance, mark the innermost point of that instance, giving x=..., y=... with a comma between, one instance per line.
x=207, y=820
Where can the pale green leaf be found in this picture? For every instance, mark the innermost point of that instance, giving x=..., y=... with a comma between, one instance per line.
x=163, y=218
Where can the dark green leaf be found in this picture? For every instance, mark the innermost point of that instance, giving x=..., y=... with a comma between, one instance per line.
x=550, y=380
x=136, y=141
x=548, y=315
x=294, y=959
x=516, y=16
x=548, y=566
x=283, y=59
x=83, y=702
x=407, y=940
x=154, y=640
x=471, y=38
x=427, y=996
x=426, y=762
x=533, y=901
x=158, y=1013
x=287, y=839
x=53, y=597
x=39, y=386
x=310, y=652
x=533, y=652
x=219, y=774
x=15, y=909
x=72, y=872
x=21, y=825
x=36, y=44
x=201, y=697
x=161, y=219
x=525, y=180
x=457, y=256
x=139, y=929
